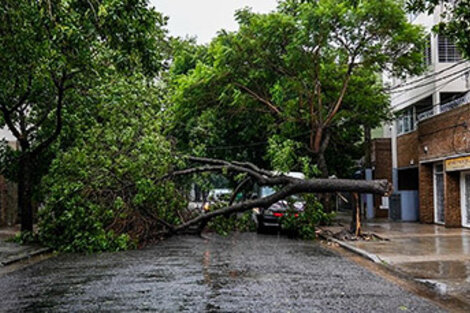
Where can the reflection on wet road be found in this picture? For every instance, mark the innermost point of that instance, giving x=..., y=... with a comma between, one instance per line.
x=242, y=273
x=433, y=254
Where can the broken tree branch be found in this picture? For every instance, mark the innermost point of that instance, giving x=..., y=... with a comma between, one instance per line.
x=288, y=186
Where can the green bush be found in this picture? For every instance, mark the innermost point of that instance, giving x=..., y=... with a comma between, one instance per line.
x=303, y=225
x=104, y=193
x=223, y=225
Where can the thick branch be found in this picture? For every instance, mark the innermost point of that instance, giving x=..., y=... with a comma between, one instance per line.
x=9, y=121
x=229, y=167
x=339, y=101
x=381, y=187
x=237, y=190
x=58, y=128
x=223, y=162
x=259, y=98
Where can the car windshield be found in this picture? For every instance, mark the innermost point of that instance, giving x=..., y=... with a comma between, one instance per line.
x=295, y=198
x=266, y=191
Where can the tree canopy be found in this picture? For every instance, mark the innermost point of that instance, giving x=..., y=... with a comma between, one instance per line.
x=307, y=72
x=51, y=53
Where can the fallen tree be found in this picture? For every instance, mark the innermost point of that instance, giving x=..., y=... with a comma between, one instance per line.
x=287, y=185
x=106, y=203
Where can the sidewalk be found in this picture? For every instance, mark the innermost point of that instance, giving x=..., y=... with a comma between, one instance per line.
x=430, y=254
x=11, y=252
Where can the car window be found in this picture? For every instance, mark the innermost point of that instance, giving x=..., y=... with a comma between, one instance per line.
x=267, y=191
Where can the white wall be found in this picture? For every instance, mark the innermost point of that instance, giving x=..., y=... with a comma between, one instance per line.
x=6, y=134
x=437, y=83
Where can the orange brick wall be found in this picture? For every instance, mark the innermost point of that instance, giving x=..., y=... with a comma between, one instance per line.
x=382, y=158
x=407, y=147
x=426, y=194
x=382, y=162
x=446, y=134
x=452, y=199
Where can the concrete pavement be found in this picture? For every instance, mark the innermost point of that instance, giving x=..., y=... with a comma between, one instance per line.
x=431, y=254
x=11, y=252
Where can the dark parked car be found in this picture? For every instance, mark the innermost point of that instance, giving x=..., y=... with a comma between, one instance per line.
x=270, y=218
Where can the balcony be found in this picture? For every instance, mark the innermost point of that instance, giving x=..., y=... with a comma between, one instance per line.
x=445, y=107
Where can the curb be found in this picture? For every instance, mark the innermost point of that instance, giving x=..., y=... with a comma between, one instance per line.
x=429, y=284
x=370, y=256
x=24, y=256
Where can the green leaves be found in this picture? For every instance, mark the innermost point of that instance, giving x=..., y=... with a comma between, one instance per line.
x=309, y=69
x=105, y=188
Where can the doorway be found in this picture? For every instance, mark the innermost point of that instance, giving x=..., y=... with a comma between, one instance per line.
x=439, y=194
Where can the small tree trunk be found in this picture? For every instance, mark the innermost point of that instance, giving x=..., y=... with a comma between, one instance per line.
x=356, y=216
x=25, y=193
x=319, y=142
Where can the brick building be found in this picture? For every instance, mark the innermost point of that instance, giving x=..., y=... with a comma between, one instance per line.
x=435, y=159
x=430, y=139
x=381, y=159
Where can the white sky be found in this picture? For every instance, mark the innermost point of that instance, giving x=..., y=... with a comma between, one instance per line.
x=203, y=18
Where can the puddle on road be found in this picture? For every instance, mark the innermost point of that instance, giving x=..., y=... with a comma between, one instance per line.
x=458, y=270
x=445, y=277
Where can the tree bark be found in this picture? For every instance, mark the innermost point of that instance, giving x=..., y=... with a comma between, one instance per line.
x=325, y=199
x=368, y=147
x=288, y=186
x=25, y=192
x=356, y=216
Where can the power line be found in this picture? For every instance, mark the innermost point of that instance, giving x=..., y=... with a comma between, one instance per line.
x=426, y=76
x=433, y=81
x=425, y=93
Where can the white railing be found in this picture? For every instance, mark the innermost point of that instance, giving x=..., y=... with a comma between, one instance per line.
x=426, y=114
x=445, y=107
x=455, y=103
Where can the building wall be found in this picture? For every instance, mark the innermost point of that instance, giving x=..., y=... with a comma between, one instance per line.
x=445, y=135
x=452, y=211
x=426, y=194
x=438, y=138
x=430, y=84
x=382, y=163
x=408, y=154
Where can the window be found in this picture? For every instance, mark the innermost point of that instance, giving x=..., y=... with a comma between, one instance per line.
x=406, y=121
x=448, y=52
x=450, y=96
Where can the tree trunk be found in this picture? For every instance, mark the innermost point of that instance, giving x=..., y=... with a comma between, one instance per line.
x=25, y=193
x=367, y=147
x=356, y=216
x=325, y=199
x=287, y=185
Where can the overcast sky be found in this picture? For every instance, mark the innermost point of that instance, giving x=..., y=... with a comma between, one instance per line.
x=203, y=18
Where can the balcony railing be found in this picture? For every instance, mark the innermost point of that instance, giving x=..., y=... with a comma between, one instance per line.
x=445, y=107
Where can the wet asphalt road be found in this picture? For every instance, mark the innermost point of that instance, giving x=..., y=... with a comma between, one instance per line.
x=242, y=273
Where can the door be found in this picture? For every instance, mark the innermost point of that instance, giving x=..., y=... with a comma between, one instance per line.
x=439, y=194
x=465, y=198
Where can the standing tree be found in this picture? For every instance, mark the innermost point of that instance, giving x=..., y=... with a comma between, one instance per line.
x=51, y=53
x=304, y=68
